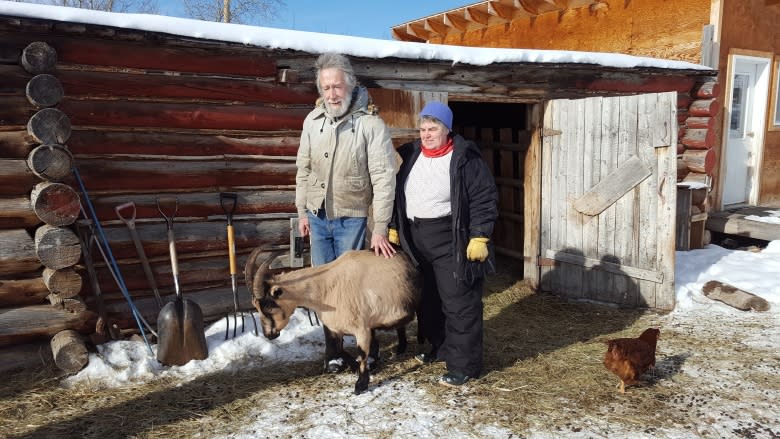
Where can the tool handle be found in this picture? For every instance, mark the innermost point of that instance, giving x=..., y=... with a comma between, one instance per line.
x=174, y=261
x=228, y=201
x=232, y=249
x=129, y=221
x=139, y=248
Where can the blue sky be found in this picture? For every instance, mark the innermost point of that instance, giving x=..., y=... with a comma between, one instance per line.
x=364, y=18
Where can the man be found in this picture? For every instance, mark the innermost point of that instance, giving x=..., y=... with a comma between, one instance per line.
x=346, y=163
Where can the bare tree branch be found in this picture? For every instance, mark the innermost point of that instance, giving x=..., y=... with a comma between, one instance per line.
x=142, y=6
x=234, y=11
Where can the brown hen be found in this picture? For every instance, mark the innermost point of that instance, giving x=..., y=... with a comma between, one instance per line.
x=629, y=358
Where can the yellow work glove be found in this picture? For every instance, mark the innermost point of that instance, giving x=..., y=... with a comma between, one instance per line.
x=392, y=236
x=477, y=249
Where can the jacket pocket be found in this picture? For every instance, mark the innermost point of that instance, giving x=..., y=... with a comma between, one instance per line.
x=354, y=184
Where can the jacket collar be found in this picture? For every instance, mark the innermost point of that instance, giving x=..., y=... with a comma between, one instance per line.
x=359, y=106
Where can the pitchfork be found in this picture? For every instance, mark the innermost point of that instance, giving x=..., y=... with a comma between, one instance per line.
x=228, y=201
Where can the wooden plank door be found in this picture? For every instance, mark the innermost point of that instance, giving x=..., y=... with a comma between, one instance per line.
x=608, y=199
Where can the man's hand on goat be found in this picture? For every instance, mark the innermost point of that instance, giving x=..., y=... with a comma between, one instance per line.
x=381, y=245
x=477, y=249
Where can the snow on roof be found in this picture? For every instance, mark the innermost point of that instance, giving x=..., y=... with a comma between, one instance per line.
x=313, y=42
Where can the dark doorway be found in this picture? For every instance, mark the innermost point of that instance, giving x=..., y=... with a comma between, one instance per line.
x=502, y=132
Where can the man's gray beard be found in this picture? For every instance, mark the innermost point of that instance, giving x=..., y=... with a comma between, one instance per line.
x=345, y=103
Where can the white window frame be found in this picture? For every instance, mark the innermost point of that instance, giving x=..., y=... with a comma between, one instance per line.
x=774, y=120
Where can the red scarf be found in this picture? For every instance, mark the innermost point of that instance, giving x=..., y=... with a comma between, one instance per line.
x=440, y=151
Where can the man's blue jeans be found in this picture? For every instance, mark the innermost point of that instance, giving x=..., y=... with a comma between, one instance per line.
x=330, y=238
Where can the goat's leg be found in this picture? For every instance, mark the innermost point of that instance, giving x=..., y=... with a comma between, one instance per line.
x=334, y=349
x=400, y=348
x=363, y=339
x=373, y=353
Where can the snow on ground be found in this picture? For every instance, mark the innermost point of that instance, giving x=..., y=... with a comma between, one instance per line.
x=398, y=408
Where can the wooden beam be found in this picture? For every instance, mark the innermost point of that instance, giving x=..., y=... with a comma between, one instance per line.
x=611, y=267
x=574, y=4
x=456, y=22
x=736, y=224
x=400, y=34
x=539, y=7
x=437, y=27
x=501, y=11
x=477, y=16
x=610, y=189
x=418, y=30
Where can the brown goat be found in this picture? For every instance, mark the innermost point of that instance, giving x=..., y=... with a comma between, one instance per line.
x=355, y=294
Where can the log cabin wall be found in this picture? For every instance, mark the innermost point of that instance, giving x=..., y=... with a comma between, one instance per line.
x=143, y=115
x=140, y=119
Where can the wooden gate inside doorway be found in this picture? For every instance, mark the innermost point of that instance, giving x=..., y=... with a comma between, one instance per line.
x=608, y=199
x=501, y=132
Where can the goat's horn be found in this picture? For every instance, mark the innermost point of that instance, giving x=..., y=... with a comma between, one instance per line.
x=261, y=272
x=249, y=268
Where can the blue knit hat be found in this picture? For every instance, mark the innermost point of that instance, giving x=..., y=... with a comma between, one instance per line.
x=439, y=111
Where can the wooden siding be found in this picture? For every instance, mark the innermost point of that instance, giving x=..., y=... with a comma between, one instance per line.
x=655, y=28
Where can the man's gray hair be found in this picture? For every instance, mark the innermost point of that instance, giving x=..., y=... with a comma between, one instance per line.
x=335, y=61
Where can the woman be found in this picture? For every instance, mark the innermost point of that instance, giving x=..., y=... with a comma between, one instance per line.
x=445, y=208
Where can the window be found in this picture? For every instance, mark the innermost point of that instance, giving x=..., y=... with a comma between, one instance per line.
x=775, y=119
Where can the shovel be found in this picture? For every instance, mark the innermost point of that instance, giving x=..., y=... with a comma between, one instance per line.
x=139, y=248
x=180, y=323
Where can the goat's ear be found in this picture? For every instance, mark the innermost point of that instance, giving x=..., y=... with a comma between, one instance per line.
x=276, y=292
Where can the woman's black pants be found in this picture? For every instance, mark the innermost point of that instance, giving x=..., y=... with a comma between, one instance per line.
x=451, y=310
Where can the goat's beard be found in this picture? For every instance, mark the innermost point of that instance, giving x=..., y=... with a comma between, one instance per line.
x=340, y=110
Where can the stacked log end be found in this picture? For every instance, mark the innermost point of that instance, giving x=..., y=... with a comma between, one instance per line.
x=219, y=119
x=69, y=351
x=40, y=268
x=696, y=157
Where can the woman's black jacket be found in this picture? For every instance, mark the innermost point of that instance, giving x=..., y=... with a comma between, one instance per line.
x=474, y=201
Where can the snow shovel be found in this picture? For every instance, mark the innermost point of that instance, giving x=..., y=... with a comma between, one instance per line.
x=228, y=201
x=180, y=323
x=139, y=248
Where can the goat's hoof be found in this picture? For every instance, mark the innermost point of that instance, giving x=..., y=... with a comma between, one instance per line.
x=362, y=383
x=360, y=388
